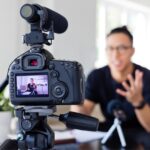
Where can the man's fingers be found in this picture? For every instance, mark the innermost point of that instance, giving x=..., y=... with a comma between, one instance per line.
x=121, y=92
x=131, y=80
x=138, y=77
x=126, y=86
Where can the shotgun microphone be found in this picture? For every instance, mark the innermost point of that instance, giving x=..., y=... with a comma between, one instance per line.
x=34, y=12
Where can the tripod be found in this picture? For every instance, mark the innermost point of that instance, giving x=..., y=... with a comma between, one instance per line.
x=116, y=125
x=34, y=132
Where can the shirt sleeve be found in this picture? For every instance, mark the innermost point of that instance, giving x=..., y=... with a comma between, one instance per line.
x=92, y=88
x=146, y=86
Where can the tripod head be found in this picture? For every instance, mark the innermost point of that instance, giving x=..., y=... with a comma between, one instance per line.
x=34, y=133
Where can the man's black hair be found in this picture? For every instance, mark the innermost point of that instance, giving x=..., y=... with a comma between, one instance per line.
x=122, y=29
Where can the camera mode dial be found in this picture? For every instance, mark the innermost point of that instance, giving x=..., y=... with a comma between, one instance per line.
x=59, y=90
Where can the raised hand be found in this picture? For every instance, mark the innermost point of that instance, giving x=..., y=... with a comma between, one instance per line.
x=133, y=91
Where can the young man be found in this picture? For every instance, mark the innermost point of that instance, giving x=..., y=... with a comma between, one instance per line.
x=31, y=87
x=121, y=79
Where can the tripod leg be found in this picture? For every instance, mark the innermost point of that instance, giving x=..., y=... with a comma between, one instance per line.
x=121, y=136
x=108, y=134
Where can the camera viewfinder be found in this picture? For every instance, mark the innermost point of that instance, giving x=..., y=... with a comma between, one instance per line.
x=33, y=62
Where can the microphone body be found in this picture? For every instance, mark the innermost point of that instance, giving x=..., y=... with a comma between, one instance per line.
x=79, y=121
x=60, y=22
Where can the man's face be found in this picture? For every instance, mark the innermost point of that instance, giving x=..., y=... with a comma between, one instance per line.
x=32, y=81
x=119, y=51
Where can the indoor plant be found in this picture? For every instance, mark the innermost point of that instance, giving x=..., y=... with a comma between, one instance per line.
x=6, y=113
x=5, y=104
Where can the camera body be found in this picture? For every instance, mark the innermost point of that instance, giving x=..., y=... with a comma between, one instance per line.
x=36, y=78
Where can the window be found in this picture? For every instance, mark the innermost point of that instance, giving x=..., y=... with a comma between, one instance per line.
x=114, y=13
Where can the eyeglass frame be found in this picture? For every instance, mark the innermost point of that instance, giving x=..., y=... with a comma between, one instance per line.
x=121, y=48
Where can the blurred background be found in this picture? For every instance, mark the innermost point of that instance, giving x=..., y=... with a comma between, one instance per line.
x=84, y=41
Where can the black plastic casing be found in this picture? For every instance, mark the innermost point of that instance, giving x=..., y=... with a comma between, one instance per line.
x=67, y=74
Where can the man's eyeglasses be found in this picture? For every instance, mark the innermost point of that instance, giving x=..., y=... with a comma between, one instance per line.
x=120, y=49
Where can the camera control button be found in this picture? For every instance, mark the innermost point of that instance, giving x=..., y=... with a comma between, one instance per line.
x=54, y=74
x=12, y=74
x=17, y=61
x=12, y=90
x=12, y=95
x=11, y=79
x=12, y=85
x=51, y=66
x=67, y=64
x=18, y=67
x=13, y=67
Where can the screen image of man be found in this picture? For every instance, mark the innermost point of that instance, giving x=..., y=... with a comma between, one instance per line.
x=31, y=87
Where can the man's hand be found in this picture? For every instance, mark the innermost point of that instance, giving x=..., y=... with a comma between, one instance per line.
x=133, y=91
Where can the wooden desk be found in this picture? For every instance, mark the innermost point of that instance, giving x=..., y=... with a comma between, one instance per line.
x=136, y=140
x=96, y=145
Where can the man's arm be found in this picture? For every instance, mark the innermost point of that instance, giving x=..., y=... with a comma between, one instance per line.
x=85, y=108
x=35, y=87
x=143, y=116
x=134, y=95
x=28, y=87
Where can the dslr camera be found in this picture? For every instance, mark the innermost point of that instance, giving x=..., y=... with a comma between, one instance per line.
x=35, y=77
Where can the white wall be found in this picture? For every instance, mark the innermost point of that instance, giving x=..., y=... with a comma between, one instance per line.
x=12, y=28
x=142, y=2
x=78, y=42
